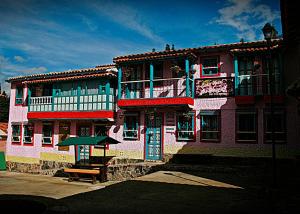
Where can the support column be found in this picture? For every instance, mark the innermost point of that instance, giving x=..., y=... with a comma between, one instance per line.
x=107, y=92
x=119, y=83
x=28, y=97
x=236, y=74
x=151, y=79
x=187, y=74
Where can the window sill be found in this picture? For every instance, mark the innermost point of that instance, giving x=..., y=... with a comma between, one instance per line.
x=27, y=144
x=210, y=141
x=246, y=141
x=15, y=143
x=47, y=145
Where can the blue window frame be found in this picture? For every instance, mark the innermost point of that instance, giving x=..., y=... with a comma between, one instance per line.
x=185, y=126
x=210, y=125
x=131, y=126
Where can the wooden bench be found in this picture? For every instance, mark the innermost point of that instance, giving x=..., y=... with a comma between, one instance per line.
x=74, y=173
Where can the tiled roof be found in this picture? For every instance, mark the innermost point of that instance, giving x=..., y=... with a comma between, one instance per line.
x=186, y=51
x=3, y=127
x=78, y=73
x=256, y=49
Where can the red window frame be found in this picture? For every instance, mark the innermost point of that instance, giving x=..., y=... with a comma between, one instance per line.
x=218, y=65
x=20, y=141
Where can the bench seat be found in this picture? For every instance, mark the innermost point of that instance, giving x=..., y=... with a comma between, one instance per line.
x=74, y=173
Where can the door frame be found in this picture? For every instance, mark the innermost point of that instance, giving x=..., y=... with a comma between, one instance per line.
x=77, y=131
x=162, y=135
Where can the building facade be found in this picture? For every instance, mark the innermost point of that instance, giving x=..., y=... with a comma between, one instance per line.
x=207, y=100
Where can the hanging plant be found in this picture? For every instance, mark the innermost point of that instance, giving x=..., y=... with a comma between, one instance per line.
x=175, y=68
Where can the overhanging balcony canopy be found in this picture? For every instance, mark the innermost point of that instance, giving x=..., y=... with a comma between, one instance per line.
x=98, y=140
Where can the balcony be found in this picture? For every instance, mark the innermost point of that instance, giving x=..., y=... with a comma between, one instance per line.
x=214, y=87
x=173, y=91
x=78, y=106
x=250, y=87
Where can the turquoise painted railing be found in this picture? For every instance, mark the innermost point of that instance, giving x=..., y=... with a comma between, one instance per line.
x=90, y=102
x=161, y=88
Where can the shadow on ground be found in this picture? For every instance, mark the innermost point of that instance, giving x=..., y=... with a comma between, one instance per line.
x=140, y=196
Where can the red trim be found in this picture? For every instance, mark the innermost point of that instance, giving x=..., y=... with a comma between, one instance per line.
x=276, y=99
x=70, y=115
x=244, y=100
x=156, y=101
x=201, y=67
x=32, y=141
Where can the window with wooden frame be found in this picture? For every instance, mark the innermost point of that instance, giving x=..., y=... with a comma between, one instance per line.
x=16, y=134
x=185, y=126
x=210, y=66
x=210, y=130
x=246, y=126
x=47, y=133
x=28, y=134
x=131, y=126
x=245, y=78
x=19, y=95
x=279, y=126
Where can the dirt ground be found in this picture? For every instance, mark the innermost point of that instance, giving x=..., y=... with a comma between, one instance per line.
x=236, y=189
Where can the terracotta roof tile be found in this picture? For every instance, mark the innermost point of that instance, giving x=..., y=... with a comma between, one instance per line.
x=100, y=68
x=182, y=52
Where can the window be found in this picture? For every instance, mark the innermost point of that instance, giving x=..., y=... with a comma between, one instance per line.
x=131, y=126
x=245, y=78
x=246, y=125
x=28, y=134
x=19, y=95
x=279, y=126
x=210, y=66
x=185, y=126
x=210, y=125
x=47, y=134
x=16, y=134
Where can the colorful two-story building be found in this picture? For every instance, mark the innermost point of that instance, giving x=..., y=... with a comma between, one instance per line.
x=206, y=100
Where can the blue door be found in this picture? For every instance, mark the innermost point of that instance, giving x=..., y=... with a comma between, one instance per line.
x=153, y=137
x=83, y=151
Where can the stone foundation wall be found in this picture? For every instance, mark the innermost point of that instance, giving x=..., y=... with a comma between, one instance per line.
x=43, y=168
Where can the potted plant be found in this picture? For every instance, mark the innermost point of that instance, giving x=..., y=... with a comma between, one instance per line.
x=175, y=68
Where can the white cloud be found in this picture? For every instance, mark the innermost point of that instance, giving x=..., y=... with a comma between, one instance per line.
x=127, y=17
x=19, y=59
x=242, y=14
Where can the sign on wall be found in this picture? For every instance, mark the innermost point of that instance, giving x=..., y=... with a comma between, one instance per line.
x=214, y=87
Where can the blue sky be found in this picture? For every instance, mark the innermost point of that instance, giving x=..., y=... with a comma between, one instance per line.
x=38, y=36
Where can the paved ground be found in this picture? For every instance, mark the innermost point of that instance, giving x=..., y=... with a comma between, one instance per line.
x=238, y=190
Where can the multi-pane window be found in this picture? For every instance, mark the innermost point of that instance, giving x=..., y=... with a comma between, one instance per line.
x=245, y=78
x=47, y=133
x=210, y=66
x=19, y=95
x=185, y=126
x=210, y=125
x=16, y=134
x=246, y=125
x=28, y=134
x=131, y=126
x=278, y=123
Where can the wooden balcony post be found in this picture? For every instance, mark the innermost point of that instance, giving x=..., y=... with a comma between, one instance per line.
x=151, y=79
x=236, y=74
x=187, y=73
x=119, y=83
x=28, y=97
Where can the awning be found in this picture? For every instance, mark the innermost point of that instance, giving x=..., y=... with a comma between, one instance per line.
x=101, y=140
